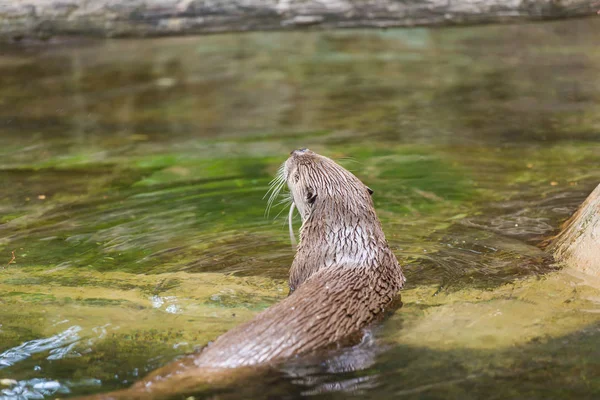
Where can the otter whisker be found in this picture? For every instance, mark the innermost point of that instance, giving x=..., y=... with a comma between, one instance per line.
x=349, y=159
x=345, y=160
x=275, y=187
x=292, y=236
x=275, y=193
x=286, y=200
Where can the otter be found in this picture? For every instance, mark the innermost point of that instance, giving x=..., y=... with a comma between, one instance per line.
x=343, y=277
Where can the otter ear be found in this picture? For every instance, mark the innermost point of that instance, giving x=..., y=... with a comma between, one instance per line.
x=310, y=196
x=369, y=190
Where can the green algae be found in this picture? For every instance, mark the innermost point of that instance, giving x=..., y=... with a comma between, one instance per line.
x=232, y=299
x=122, y=331
x=32, y=297
x=513, y=314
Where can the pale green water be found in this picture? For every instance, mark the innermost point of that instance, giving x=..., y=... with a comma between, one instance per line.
x=132, y=176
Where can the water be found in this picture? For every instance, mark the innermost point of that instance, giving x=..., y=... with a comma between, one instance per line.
x=132, y=182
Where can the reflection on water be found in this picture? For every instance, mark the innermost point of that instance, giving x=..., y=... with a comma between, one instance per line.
x=132, y=176
x=35, y=389
x=56, y=347
x=341, y=370
x=59, y=346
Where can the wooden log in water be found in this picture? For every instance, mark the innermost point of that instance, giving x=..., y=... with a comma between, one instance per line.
x=578, y=244
x=46, y=18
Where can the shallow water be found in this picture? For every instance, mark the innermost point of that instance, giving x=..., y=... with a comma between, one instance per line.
x=132, y=183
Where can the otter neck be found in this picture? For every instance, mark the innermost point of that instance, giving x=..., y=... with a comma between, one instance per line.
x=337, y=236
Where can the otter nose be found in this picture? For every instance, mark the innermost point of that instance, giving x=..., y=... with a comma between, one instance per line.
x=299, y=151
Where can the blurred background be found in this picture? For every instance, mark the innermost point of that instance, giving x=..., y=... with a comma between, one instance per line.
x=132, y=211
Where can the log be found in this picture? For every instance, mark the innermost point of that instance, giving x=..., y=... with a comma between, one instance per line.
x=116, y=18
x=578, y=243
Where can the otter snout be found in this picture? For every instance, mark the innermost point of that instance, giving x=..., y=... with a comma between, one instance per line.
x=298, y=152
x=296, y=156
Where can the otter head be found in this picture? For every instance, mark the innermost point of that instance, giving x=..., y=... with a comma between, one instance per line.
x=340, y=230
x=318, y=184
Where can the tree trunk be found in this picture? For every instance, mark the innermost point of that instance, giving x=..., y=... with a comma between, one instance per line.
x=44, y=18
x=578, y=244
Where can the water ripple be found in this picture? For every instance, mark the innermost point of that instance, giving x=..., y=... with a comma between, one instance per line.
x=60, y=346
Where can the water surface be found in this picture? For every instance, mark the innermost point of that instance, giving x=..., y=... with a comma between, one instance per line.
x=132, y=176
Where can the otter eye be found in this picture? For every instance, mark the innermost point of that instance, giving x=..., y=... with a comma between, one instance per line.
x=310, y=196
x=296, y=177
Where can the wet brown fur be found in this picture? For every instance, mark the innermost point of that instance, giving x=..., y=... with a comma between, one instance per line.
x=344, y=275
